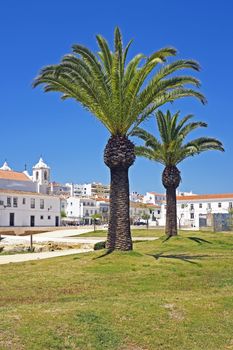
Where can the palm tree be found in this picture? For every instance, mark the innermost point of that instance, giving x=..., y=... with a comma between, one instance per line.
x=121, y=94
x=170, y=151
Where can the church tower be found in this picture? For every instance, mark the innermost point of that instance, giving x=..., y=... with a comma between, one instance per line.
x=41, y=175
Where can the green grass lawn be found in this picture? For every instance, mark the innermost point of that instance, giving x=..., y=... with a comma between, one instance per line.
x=135, y=233
x=176, y=294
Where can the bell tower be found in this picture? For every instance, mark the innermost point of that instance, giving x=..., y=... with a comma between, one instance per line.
x=41, y=175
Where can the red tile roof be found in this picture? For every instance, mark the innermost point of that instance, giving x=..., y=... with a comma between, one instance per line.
x=13, y=175
x=205, y=196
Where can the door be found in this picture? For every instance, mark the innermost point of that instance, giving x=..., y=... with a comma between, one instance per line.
x=32, y=221
x=12, y=219
x=57, y=221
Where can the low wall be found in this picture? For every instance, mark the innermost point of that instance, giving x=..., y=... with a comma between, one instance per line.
x=23, y=231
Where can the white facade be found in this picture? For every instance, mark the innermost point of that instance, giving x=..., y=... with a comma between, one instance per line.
x=81, y=208
x=93, y=189
x=154, y=198
x=193, y=209
x=22, y=209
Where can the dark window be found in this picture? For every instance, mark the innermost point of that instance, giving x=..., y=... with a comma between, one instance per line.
x=230, y=205
x=33, y=203
x=209, y=205
x=192, y=215
x=191, y=206
x=41, y=217
x=15, y=202
x=220, y=205
x=24, y=201
x=182, y=206
x=41, y=203
x=200, y=205
x=49, y=217
x=1, y=203
x=9, y=201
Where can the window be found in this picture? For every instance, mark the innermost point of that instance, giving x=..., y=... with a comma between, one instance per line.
x=158, y=211
x=49, y=217
x=37, y=175
x=200, y=205
x=15, y=202
x=45, y=175
x=219, y=205
x=42, y=217
x=191, y=206
x=230, y=205
x=9, y=201
x=41, y=203
x=209, y=205
x=71, y=203
x=192, y=216
x=1, y=203
x=33, y=203
x=182, y=206
x=24, y=201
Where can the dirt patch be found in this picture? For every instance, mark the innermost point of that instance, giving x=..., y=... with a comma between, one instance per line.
x=174, y=313
x=42, y=247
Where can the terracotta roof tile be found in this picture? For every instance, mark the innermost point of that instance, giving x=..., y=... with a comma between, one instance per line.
x=205, y=196
x=13, y=175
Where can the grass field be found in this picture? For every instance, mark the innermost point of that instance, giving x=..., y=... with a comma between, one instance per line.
x=135, y=233
x=176, y=294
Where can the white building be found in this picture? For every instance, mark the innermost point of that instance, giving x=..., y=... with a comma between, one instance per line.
x=193, y=210
x=154, y=198
x=19, y=208
x=93, y=189
x=24, y=200
x=81, y=208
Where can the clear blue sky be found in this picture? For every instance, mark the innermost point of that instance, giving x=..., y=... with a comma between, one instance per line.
x=37, y=33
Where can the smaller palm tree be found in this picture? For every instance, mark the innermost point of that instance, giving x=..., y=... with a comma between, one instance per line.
x=170, y=151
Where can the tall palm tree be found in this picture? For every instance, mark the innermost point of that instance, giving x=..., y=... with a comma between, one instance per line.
x=121, y=94
x=170, y=151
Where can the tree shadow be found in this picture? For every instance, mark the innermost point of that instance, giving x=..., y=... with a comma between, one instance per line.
x=183, y=257
x=199, y=240
x=107, y=252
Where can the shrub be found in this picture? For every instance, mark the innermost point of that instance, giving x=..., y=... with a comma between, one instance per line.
x=100, y=245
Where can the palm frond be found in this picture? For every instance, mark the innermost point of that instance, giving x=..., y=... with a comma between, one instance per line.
x=171, y=150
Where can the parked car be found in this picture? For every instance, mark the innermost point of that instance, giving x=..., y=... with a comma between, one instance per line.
x=139, y=223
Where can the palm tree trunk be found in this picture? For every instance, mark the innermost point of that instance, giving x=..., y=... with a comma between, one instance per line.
x=171, y=180
x=171, y=217
x=119, y=235
x=119, y=155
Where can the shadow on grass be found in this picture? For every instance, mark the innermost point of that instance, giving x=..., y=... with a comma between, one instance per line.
x=107, y=252
x=183, y=257
x=194, y=239
x=199, y=240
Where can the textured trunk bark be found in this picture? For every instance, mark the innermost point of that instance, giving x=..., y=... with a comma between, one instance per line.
x=119, y=235
x=119, y=155
x=171, y=180
x=171, y=217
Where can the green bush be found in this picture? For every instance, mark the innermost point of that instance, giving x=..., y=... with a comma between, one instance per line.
x=100, y=245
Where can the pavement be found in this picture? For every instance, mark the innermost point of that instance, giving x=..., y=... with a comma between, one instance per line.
x=60, y=236
x=16, y=258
